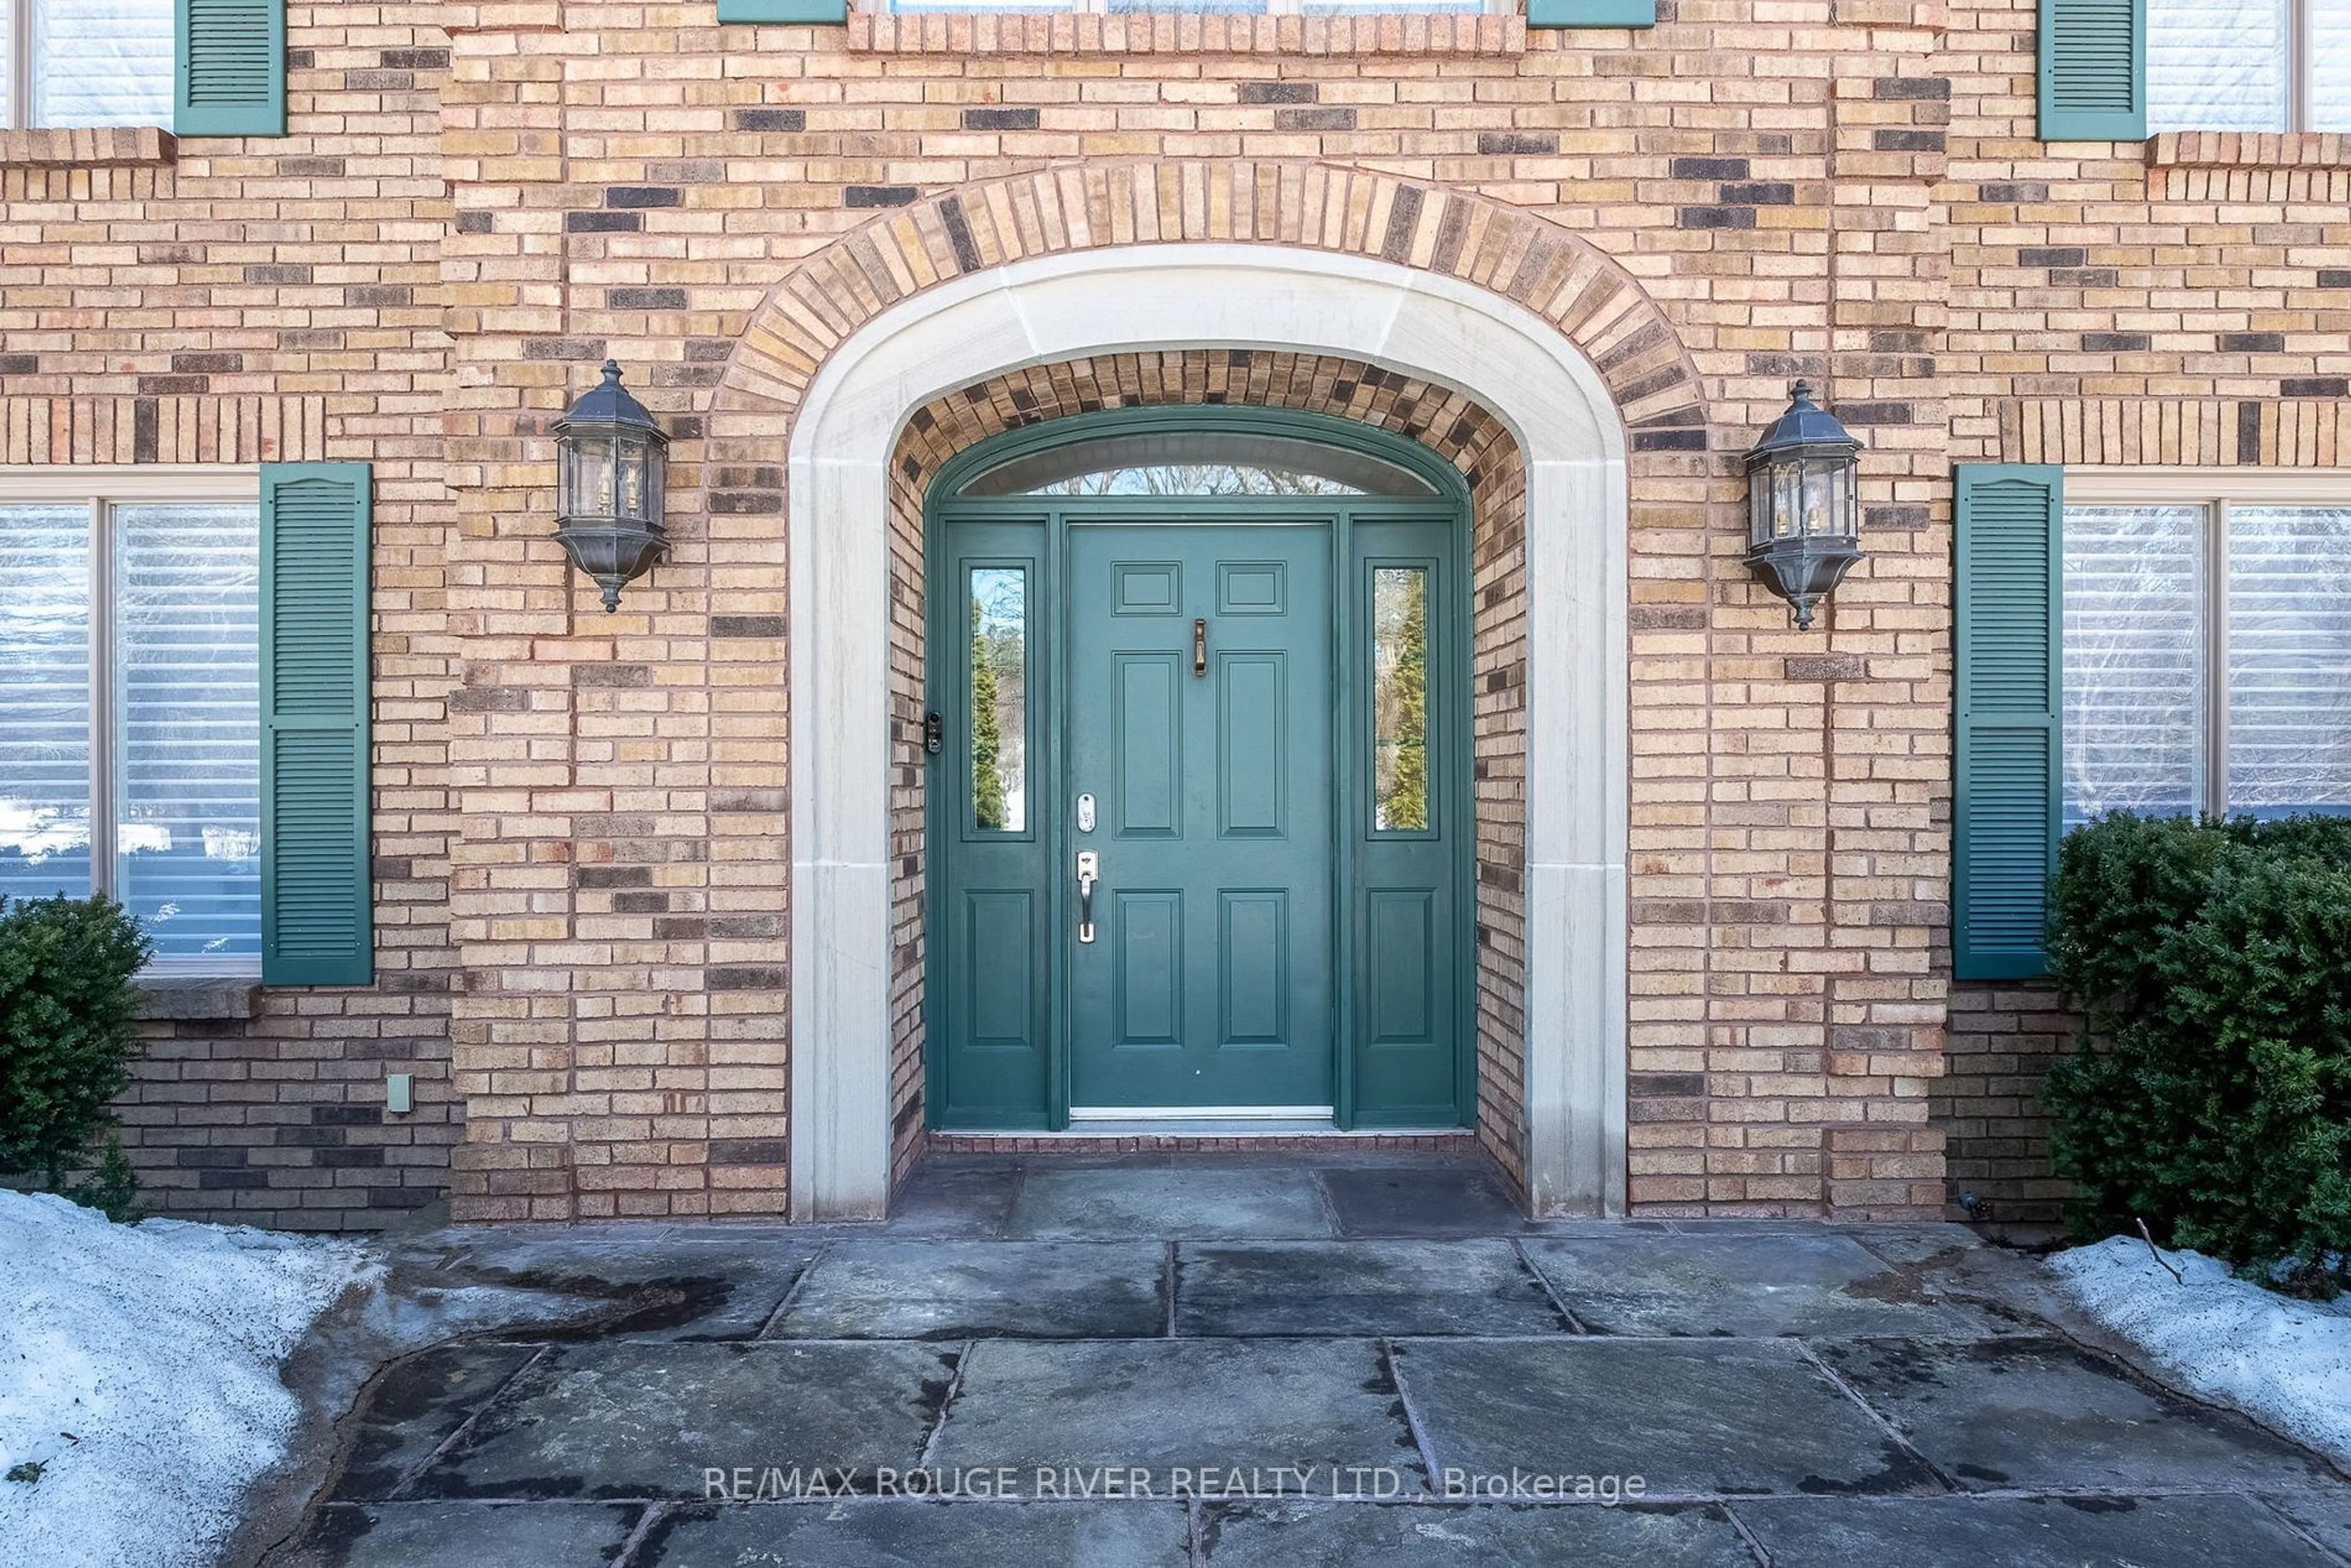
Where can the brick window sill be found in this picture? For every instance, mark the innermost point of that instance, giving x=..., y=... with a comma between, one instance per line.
x=97, y=147
x=2249, y=149
x=1421, y=34
x=181, y=998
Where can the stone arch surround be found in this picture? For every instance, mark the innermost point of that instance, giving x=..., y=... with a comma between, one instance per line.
x=1448, y=423
x=1159, y=298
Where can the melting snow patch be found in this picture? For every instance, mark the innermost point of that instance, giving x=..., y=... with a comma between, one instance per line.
x=2286, y=1362
x=139, y=1386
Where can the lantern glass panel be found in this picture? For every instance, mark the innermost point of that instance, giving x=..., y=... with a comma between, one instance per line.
x=1820, y=498
x=1758, y=506
x=1786, y=498
x=631, y=455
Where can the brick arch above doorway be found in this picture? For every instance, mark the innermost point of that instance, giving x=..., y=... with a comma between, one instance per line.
x=1449, y=424
x=1542, y=268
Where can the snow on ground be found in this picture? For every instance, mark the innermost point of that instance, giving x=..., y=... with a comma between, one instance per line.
x=2284, y=1361
x=156, y=1346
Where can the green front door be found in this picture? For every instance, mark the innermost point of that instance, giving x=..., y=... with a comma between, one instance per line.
x=1198, y=717
x=1199, y=823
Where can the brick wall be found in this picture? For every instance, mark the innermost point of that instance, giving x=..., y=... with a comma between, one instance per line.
x=582, y=818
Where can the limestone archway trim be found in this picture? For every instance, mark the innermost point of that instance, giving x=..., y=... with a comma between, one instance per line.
x=1141, y=298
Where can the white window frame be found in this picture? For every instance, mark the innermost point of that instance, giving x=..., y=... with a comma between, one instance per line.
x=16, y=114
x=1173, y=8
x=105, y=486
x=2215, y=490
x=2301, y=74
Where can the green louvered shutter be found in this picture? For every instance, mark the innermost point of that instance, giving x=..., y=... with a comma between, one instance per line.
x=2006, y=816
x=317, y=906
x=231, y=79
x=2092, y=70
x=1591, y=13
x=809, y=10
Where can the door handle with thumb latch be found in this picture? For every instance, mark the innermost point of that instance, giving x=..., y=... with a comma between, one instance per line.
x=1088, y=873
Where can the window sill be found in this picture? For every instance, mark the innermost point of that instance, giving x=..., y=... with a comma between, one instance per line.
x=91, y=147
x=1065, y=33
x=2249, y=149
x=187, y=998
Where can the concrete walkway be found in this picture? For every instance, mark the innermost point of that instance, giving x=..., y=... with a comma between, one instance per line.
x=1278, y=1362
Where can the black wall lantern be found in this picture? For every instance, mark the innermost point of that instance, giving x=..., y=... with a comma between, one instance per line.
x=1804, y=529
x=609, y=486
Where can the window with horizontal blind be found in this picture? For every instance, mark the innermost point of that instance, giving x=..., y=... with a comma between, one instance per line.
x=2207, y=644
x=129, y=703
x=86, y=62
x=2248, y=65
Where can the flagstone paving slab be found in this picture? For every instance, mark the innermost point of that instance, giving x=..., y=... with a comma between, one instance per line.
x=888, y=1532
x=964, y=1290
x=1743, y=1281
x=1115, y=1203
x=1705, y=1416
x=696, y=1282
x=1165, y=1403
x=1383, y=1201
x=487, y=1534
x=1289, y=1533
x=418, y=1405
x=629, y=1419
x=2046, y=1415
x=1478, y=1287
x=2027, y=1532
x=2325, y=1514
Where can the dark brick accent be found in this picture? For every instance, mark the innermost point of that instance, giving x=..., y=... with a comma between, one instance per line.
x=489, y=699
x=1709, y=168
x=640, y=901
x=347, y=1115
x=2249, y=433
x=366, y=1159
x=1897, y=140
x=310, y=168
x=959, y=235
x=1277, y=92
x=146, y=430
x=602, y=222
x=746, y=626
x=278, y=272
x=473, y=222
x=19, y=364
x=748, y=978
x=1874, y=412
x=2114, y=342
x=1664, y=1085
x=2315, y=386
x=2252, y=342
x=880, y=196
x=309, y=1137
x=749, y=1152
x=1767, y=194
x=209, y=1159
x=592, y=876
x=625, y=196
x=1517, y=143
x=1667, y=617
x=2335, y=277
x=772, y=119
x=207, y=364
x=2020, y=191
x=1001, y=120
x=645, y=299
x=634, y=677
x=414, y=60
x=1320, y=119
x=1669, y=441
x=1910, y=87
x=563, y=349
x=1716, y=218
x=378, y=294
x=230, y=1181
x=172, y=386
x=379, y=81
x=1825, y=666
x=402, y=1197
x=2051, y=256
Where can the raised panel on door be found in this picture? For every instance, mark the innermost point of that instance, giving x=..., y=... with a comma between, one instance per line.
x=1200, y=713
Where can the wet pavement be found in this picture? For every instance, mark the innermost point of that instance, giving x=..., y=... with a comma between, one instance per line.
x=1285, y=1362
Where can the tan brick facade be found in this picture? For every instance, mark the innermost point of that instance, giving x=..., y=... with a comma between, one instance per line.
x=583, y=818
